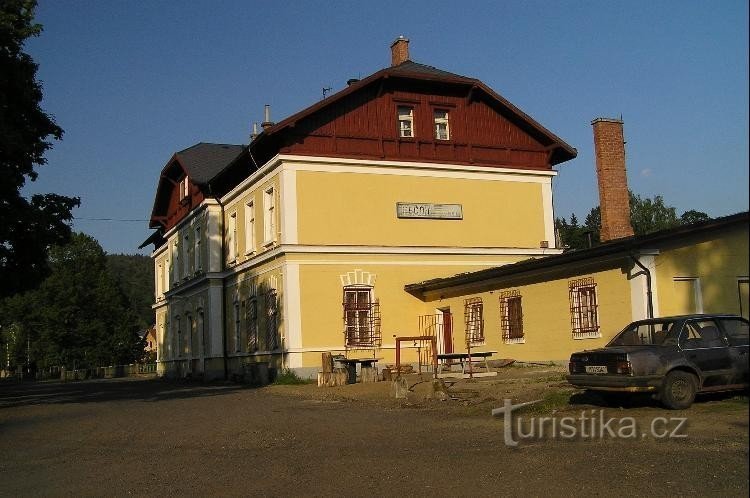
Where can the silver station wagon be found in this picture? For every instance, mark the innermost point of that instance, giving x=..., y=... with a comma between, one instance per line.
x=673, y=357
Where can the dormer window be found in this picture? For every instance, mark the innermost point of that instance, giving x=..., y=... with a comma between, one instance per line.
x=184, y=188
x=405, y=121
x=442, y=129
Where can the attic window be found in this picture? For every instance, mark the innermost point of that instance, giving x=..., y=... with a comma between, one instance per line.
x=405, y=121
x=184, y=188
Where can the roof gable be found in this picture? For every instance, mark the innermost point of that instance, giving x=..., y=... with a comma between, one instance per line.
x=267, y=144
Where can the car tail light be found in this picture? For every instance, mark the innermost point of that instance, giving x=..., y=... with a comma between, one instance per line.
x=575, y=367
x=624, y=368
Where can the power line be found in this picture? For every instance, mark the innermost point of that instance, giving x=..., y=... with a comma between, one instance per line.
x=110, y=219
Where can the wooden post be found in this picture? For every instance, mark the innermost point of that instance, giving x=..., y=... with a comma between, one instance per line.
x=327, y=363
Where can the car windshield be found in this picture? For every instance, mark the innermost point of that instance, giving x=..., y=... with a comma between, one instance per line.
x=651, y=333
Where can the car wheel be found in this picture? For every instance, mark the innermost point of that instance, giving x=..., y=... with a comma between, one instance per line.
x=678, y=390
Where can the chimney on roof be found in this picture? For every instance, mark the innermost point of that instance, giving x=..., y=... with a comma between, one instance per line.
x=614, y=199
x=267, y=123
x=399, y=51
x=254, y=134
x=351, y=81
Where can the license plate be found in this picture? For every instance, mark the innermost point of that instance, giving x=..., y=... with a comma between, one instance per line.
x=596, y=369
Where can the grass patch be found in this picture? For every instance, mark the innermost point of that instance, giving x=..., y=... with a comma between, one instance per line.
x=552, y=401
x=288, y=377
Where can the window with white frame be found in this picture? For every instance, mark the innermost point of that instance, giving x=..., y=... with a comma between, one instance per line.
x=175, y=262
x=269, y=216
x=250, y=227
x=405, y=121
x=442, y=128
x=232, y=238
x=252, y=325
x=184, y=188
x=186, y=255
x=188, y=335
x=159, y=281
x=584, y=308
x=166, y=276
x=511, y=317
x=198, y=257
x=474, y=321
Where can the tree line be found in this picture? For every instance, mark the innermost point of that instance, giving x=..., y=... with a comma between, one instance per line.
x=63, y=300
x=646, y=216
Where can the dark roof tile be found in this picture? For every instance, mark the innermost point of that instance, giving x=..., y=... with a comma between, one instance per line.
x=203, y=161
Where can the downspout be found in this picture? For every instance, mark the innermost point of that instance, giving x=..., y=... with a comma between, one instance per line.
x=223, y=317
x=649, y=294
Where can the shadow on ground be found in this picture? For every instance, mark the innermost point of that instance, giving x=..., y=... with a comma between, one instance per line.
x=96, y=391
x=641, y=400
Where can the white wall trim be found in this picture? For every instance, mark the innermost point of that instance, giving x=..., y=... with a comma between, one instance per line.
x=549, y=215
x=292, y=311
x=307, y=163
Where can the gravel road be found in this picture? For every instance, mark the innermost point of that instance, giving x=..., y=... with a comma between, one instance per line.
x=149, y=437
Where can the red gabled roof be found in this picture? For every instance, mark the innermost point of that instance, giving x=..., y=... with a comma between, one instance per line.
x=415, y=71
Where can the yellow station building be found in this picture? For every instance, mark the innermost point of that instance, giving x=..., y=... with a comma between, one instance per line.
x=314, y=237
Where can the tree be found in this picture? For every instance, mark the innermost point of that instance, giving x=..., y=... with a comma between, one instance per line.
x=78, y=316
x=28, y=227
x=646, y=216
x=134, y=274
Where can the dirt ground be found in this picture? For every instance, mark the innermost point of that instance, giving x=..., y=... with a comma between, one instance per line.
x=149, y=437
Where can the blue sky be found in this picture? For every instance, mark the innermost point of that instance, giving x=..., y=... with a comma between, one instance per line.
x=133, y=82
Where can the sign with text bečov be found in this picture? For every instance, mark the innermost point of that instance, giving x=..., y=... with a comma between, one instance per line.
x=427, y=210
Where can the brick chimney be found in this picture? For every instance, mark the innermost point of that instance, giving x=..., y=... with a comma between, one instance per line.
x=614, y=199
x=399, y=51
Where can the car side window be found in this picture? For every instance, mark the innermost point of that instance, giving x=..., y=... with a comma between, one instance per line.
x=738, y=331
x=701, y=334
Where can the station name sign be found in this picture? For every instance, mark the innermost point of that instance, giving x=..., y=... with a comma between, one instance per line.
x=430, y=211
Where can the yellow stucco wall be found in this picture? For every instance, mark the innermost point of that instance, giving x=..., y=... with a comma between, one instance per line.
x=718, y=261
x=545, y=306
x=360, y=209
x=237, y=207
x=546, y=316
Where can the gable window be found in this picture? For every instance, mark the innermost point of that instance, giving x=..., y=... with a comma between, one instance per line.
x=405, y=121
x=511, y=317
x=184, y=188
x=269, y=216
x=252, y=325
x=442, y=128
x=473, y=317
x=361, y=318
x=584, y=309
x=249, y=228
x=232, y=238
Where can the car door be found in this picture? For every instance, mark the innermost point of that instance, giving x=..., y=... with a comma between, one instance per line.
x=704, y=345
x=737, y=331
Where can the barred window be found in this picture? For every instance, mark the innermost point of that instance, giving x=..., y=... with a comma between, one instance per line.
x=361, y=318
x=474, y=320
x=584, y=312
x=272, y=332
x=511, y=316
x=252, y=325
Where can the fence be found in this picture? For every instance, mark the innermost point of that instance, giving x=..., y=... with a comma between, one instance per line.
x=61, y=373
